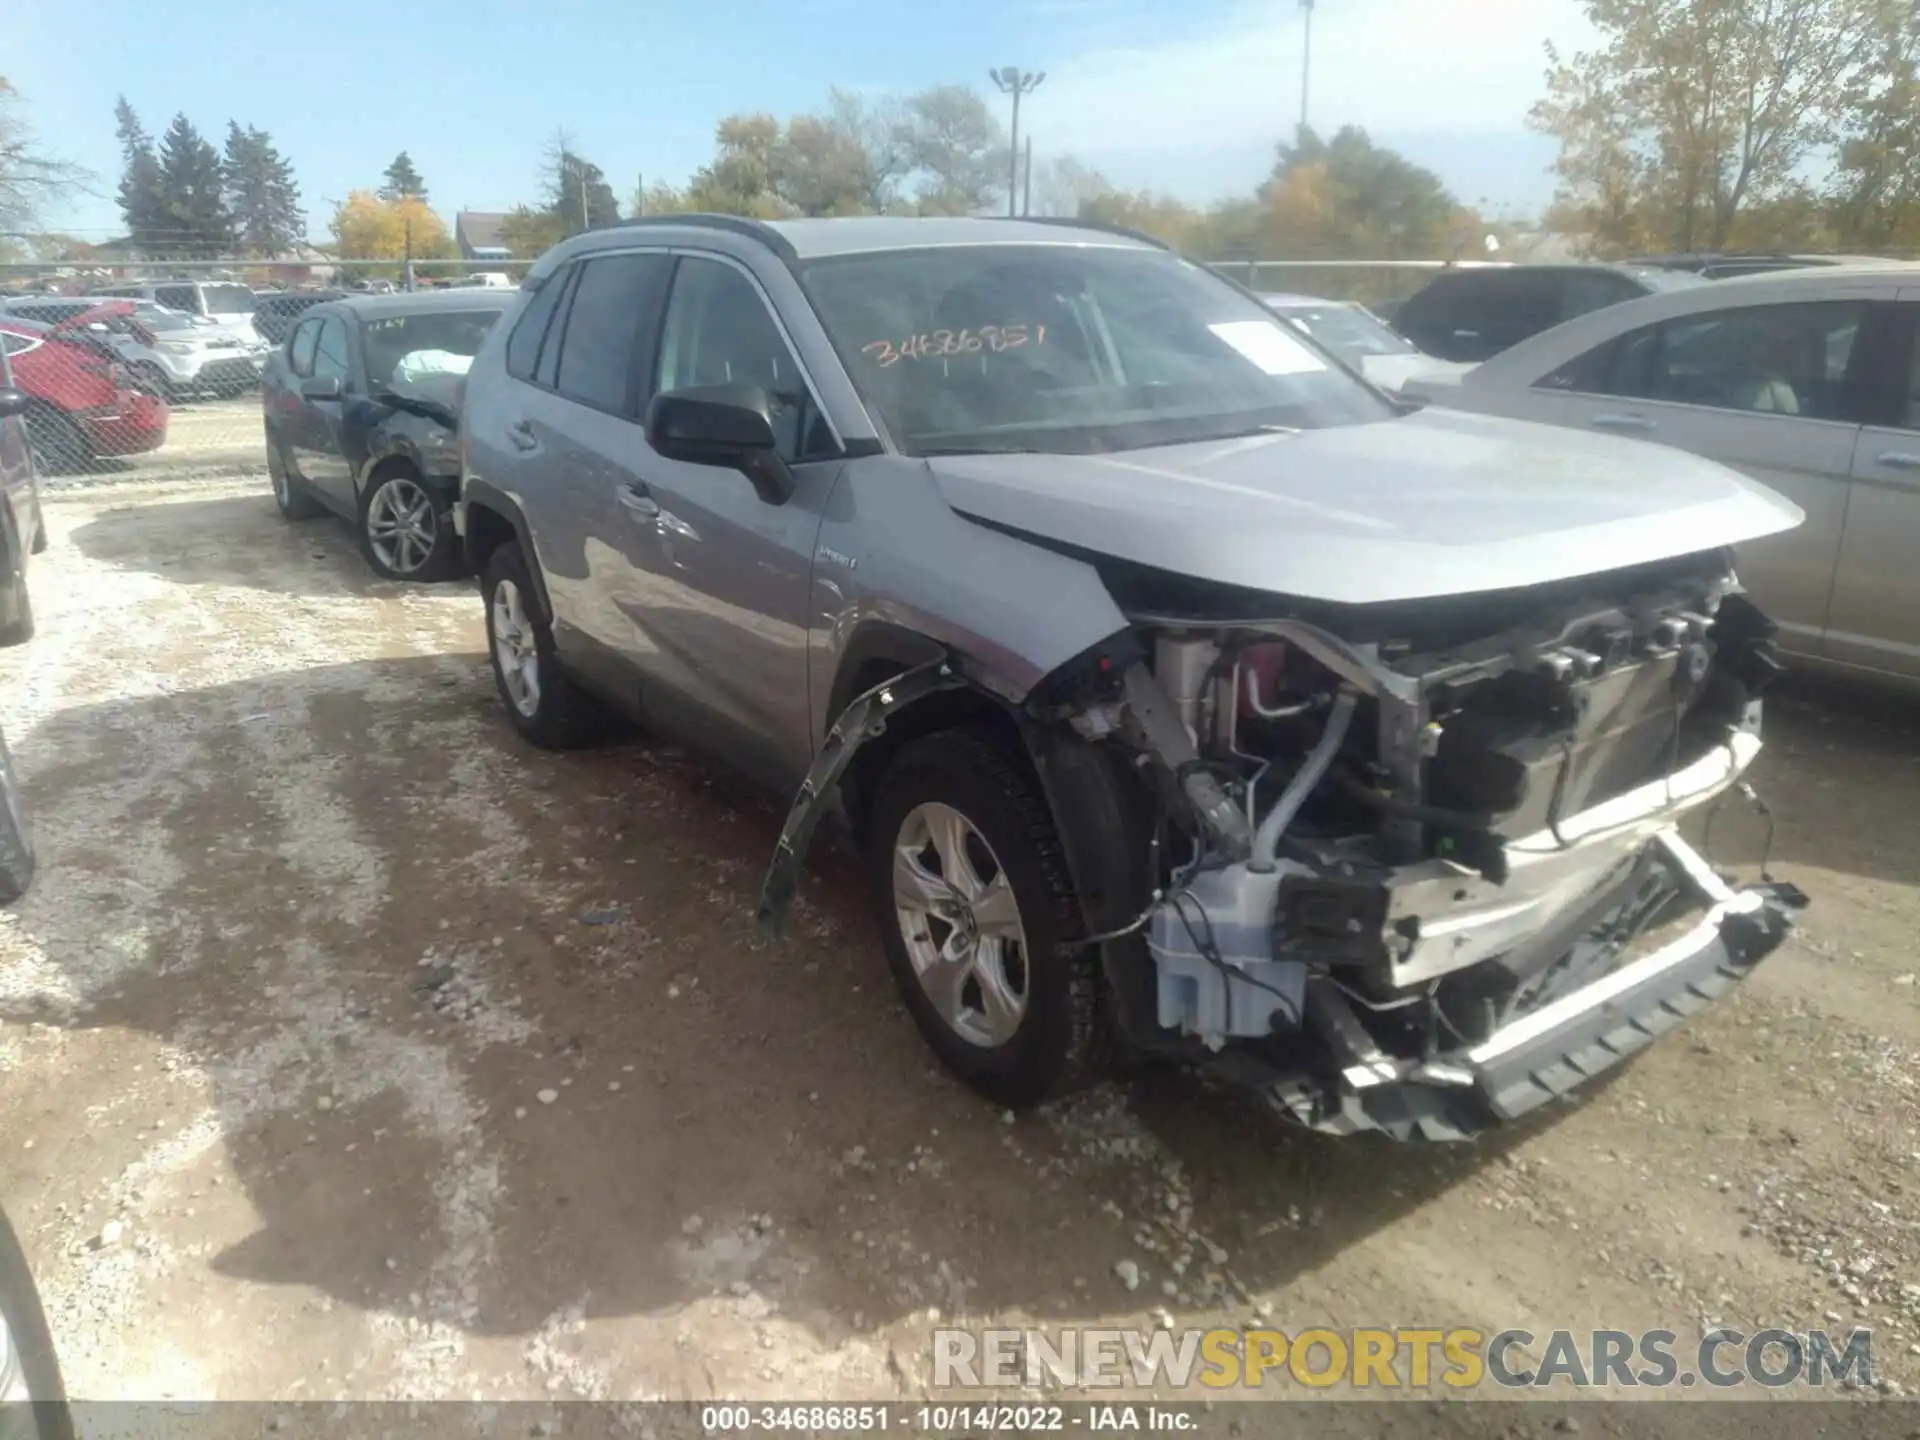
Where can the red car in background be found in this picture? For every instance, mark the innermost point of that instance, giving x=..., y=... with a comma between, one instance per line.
x=83, y=404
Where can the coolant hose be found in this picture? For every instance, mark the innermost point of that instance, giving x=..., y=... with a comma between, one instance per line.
x=1266, y=840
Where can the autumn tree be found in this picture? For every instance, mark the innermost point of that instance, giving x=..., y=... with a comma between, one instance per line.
x=1348, y=198
x=529, y=233
x=740, y=179
x=1692, y=110
x=365, y=227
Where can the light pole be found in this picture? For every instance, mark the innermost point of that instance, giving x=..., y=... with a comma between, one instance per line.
x=1306, y=59
x=1016, y=82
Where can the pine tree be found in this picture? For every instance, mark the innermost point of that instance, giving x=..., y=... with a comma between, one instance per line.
x=260, y=193
x=140, y=203
x=191, y=193
x=578, y=195
x=403, y=181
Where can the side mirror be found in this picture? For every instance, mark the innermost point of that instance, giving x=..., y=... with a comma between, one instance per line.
x=725, y=425
x=322, y=387
x=12, y=404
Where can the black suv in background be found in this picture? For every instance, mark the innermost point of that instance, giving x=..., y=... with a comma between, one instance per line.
x=1473, y=314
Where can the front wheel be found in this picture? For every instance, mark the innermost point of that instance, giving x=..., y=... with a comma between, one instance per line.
x=979, y=920
x=16, y=841
x=406, y=529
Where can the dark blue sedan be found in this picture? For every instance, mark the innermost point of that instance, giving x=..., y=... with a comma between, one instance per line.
x=362, y=410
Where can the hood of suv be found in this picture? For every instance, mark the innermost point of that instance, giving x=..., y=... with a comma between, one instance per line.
x=1437, y=503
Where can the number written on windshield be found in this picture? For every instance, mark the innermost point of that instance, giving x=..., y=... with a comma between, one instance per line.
x=937, y=344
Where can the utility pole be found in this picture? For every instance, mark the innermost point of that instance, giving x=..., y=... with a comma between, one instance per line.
x=1026, y=184
x=1306, y=58
x=1016, y=82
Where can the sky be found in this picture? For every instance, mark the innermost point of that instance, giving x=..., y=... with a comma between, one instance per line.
x=1185, y=97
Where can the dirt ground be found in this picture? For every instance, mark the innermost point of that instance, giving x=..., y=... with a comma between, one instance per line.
x=349, y=1048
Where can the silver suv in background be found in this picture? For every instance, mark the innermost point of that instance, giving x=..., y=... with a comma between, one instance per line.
x=1177, y=689
x=226, y=304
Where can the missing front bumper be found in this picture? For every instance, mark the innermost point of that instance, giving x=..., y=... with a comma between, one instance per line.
x=1546, y=1053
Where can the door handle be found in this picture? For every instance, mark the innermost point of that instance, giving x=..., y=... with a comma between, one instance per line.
x=1901, y=460
x=521, y=433
x=637, y=502
x=1612, y=421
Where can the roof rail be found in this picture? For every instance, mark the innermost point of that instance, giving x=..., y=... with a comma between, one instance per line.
x=736, y=224
x=1069, y=224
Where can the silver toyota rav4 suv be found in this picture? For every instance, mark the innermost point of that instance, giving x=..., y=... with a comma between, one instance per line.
x=1179, y=690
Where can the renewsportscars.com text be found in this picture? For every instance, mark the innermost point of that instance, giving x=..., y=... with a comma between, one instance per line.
x=1408, y=1358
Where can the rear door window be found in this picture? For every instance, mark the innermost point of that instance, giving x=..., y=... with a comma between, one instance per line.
x=1766, y=359
x=523, y=345
x=177, y=297
x=330, y=349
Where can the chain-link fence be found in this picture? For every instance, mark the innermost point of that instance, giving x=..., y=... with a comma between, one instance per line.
x=153, y=371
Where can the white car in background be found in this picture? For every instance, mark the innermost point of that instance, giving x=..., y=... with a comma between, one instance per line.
x=1806, y=380
x=167, y=353
x=1360, y=338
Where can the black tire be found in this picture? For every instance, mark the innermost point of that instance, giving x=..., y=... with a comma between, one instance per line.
x=293, y=498
x=1059, y=1041
x=20, y=629
x=32, y=1342
x=560, y=715
x=16, y=839
x=58, y=443
x=40, y=540
x=443, y=562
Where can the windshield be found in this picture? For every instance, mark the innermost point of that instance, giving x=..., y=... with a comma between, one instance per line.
x=1347, y=330
x=1068, y=349
x=156, y=318
x=227, y=299
x=405, y=350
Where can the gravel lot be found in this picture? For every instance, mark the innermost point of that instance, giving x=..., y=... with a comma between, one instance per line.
x=349, y=1048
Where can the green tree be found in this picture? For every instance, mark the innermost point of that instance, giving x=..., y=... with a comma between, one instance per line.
x=530, y=233
x=192, y=195
x=1876, y=189
x=1349, y=198
x=403, y=180
x=957, y=150
x=577, y=193
x=1692, y=110
x=140, y=203
x=742, y=177
x=261, y=194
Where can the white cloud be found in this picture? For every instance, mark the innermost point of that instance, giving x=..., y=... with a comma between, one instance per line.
x=1404, y=66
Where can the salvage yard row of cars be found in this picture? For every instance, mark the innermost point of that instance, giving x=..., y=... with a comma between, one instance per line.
x=1186, y=687
x=1183, y=691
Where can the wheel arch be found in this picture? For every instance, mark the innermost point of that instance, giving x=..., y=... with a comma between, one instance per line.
x=491, y=519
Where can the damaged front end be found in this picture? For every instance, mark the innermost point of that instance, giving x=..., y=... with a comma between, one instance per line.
x=1398, y=867
x=1403, y=855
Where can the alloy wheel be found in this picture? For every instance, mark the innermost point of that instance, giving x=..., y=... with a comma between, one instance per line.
x=514, y=651
x=961, y=924
x=401, y=526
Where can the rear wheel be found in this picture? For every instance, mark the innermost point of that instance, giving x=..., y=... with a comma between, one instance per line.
x=543, y=704
x=979, y=920
x=288, y=493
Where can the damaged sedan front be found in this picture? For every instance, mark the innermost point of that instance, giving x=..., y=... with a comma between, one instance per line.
x=1367, y=791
